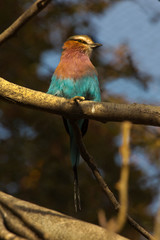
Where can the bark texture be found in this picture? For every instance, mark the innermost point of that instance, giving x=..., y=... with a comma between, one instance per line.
x=23, y=220
x=100, y=111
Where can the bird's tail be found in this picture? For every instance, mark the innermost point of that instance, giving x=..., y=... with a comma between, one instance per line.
x=75, y=155
x=74, y=149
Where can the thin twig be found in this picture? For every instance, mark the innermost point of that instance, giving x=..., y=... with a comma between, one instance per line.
x=123, y=182
x=24, y=18
x=89, y=160
x=116, y=224
x=102, y=218
x=157, y=225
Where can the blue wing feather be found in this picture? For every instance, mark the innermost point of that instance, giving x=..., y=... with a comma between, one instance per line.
x=87, y=87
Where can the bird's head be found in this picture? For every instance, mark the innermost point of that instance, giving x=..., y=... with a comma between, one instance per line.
x=82, y=43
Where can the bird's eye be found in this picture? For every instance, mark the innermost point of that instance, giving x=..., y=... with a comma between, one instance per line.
x=82, y=41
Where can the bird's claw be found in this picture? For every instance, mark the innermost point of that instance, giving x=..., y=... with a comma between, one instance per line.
x=77, y=99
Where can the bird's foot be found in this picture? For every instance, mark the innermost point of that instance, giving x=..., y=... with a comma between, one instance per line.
x=77, y=99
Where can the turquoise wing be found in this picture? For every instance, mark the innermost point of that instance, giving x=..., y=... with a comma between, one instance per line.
x=62, y=87
x=88, y=87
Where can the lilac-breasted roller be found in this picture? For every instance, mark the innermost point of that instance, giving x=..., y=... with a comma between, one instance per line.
x=75, y=77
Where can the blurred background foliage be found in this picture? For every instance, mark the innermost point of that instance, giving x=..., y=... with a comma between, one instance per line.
x=34, y=147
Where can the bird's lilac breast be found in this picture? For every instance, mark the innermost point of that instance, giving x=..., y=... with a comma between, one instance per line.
x=74, y=66
x=75, y=76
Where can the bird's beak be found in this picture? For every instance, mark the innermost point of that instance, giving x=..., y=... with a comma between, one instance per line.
x=95, y=45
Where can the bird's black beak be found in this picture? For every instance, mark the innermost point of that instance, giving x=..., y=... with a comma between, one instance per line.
x=95, y=45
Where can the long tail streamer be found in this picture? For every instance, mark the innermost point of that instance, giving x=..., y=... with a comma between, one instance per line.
x=77, y=200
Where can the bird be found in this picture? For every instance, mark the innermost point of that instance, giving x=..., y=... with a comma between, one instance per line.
x=76, y=78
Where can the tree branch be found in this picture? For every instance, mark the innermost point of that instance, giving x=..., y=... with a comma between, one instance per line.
x=100, y=111
x=24, y=18
x=50, y=224
x=117, y=224
x=157, y=225
x=122, y=185
x=90, y=161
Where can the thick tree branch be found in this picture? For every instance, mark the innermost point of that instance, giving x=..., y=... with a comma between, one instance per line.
x=24, y=18
x=135, y=113
x=42, y=223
